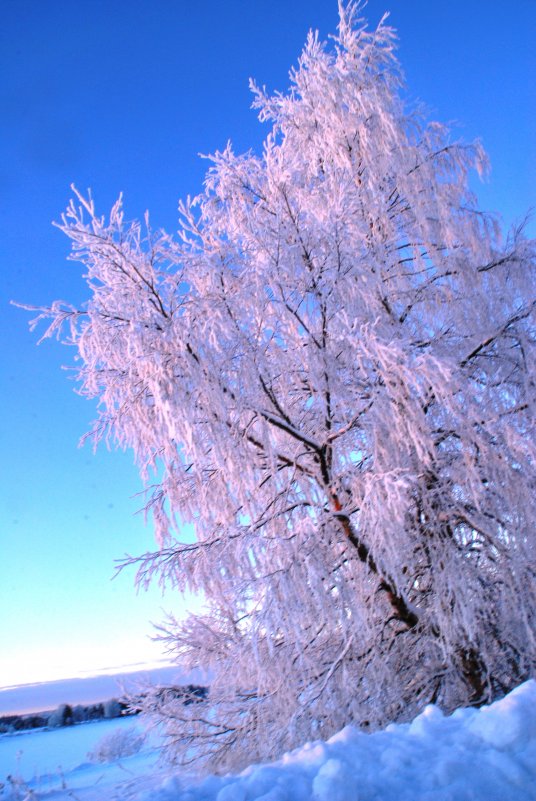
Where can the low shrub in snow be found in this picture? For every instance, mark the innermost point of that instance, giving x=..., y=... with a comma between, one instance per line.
x=117, y=744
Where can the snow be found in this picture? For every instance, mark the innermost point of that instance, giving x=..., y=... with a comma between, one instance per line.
x=47, y=759
x=474, y=755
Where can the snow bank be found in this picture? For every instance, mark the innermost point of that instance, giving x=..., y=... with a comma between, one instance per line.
x=473, y=755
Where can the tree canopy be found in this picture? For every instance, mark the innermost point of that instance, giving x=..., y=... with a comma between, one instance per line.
x=330, y=370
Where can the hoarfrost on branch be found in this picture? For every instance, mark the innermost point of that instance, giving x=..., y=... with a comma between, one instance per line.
x=331, y=368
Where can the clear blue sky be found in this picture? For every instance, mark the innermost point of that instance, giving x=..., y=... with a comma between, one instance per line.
x=122, y=96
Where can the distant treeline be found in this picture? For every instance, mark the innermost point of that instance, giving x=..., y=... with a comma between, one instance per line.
x=67, y=715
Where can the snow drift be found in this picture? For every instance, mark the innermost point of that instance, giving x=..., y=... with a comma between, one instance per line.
x=489, y=753
x=486, y=754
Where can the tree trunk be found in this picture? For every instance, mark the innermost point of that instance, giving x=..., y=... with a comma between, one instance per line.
x=400, y=608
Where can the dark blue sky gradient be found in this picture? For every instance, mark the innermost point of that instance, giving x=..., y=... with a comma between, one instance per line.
x=122, y=96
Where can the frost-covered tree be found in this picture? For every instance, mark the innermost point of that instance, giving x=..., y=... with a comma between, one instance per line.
x=330, y=372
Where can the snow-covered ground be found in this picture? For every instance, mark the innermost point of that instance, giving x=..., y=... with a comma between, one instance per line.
x=55, y=764
x=473, y=755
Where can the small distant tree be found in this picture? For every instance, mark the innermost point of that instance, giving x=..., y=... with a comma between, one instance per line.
x=331, y=373
x=62, y=716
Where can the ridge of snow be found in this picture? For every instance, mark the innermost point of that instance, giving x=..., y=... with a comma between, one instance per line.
x=486, y=754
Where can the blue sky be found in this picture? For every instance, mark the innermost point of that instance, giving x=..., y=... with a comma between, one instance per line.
x=122, y=96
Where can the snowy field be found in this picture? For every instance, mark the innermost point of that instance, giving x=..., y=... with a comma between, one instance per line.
x=473, y=755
